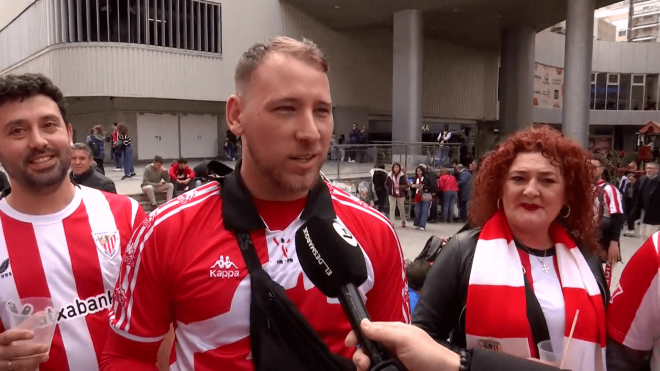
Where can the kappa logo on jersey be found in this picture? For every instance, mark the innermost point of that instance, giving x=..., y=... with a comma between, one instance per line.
x=107, y=243
x=149, y=220
x=224, y=268
x=285, y=250
x=186, y=197
x=85, y=307
x=130, y=256
x=4, y=269
x=617, y=292
x=120, y=297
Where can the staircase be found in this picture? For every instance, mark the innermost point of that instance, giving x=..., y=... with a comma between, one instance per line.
x=143, y=200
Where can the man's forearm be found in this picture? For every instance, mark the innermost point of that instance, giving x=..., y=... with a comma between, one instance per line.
x=616, y=226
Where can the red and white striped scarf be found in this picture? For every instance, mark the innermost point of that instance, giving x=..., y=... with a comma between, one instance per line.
x=496, y=313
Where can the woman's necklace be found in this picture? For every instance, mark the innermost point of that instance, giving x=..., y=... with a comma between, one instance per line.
x=545, y=268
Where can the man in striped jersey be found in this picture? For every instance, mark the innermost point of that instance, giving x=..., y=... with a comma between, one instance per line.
x=57, y=240
x=634, y=313
x=609, y=212
x=184, y=266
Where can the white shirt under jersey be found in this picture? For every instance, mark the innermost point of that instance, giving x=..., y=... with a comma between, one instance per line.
x=549, y=293
x=73, y=257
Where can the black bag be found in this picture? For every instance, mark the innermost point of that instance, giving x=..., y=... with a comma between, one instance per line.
x=119, y=145
x=280, y=336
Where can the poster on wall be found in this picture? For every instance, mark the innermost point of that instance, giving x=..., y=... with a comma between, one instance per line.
x=600, y=145
x=548, y=86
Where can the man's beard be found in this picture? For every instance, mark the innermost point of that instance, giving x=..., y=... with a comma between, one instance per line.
x=282, y=180
x=42, y=181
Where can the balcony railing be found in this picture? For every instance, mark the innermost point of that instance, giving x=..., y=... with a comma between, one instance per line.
x=355, y=161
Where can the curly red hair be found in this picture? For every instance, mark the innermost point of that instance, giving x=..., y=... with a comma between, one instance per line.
x=576, y=168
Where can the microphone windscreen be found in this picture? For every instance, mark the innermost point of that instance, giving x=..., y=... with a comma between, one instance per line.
x=330, y=256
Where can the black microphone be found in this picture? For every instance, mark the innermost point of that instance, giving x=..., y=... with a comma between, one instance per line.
x=332, y=259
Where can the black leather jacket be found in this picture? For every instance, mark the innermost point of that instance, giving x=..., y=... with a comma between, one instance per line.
x=93, y=179
x=441, y=307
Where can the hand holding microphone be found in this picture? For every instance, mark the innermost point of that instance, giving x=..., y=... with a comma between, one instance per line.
x=333, y=261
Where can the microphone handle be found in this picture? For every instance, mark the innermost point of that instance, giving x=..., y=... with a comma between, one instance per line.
x=351, y=302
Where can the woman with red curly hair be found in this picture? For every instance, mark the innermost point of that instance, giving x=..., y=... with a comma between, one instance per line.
x=529, y=263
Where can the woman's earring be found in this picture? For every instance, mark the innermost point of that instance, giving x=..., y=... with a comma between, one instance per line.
x=498, y=203
x=568, y=212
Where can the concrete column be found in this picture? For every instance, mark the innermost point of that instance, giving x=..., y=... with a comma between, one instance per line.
x=577, y=75
x=517, y=79
x=407, y=76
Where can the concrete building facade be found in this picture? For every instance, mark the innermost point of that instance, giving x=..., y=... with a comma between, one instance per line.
x=165, y=67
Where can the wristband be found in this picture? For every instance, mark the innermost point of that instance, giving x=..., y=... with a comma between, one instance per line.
x=466, y=360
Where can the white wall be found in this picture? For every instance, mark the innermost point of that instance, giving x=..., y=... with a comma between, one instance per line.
x=10, y=9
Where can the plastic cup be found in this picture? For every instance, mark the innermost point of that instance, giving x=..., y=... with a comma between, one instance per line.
x=38, y=315
x=546, y=353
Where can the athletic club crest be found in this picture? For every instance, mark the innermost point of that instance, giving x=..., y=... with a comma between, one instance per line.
x=107, y=243
x=492, y=345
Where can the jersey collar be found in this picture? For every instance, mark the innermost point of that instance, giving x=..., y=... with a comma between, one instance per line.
x=240, y=214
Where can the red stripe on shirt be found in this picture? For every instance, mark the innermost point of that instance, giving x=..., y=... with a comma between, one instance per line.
x=86, y=271
x=30, y=277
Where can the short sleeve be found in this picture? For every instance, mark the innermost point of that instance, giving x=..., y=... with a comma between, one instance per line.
x=634, y=311
x=388, y=299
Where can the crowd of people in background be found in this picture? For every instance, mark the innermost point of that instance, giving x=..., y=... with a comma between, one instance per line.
x=428, y=192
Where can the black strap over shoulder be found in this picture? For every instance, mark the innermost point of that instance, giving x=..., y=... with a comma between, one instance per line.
x=279, y=333
x=535, y=316
x=247, y=250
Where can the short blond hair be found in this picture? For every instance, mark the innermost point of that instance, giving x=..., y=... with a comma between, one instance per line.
x=253, y=57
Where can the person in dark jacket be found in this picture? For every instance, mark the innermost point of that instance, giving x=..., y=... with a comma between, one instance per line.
x=354, y=138
x=418, y=352
x=96, y=142
x=379, y=177
x=533, y=239
x=647, y=204
x=464, y=190
x=363, y=151
x=83, y=170
x=4, y=181
x=629, y=197
x=435, y=191
x=423, y=186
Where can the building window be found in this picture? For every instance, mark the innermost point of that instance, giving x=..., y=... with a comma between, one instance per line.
x=623, y=33
x=612, y=98
x=601, y=90
x=182, y=24
x=651, y=93
x=624, y=91
x=637, y=95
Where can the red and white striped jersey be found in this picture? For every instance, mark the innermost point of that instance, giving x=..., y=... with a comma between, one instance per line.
x=634, y=312
x=73, y=257
x=183, y=267
x=611, y=198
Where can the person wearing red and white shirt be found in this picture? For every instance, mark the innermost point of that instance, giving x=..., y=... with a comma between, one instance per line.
x=184, y=265
x=609, y=214
x=634, y=313
x=57, y=240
